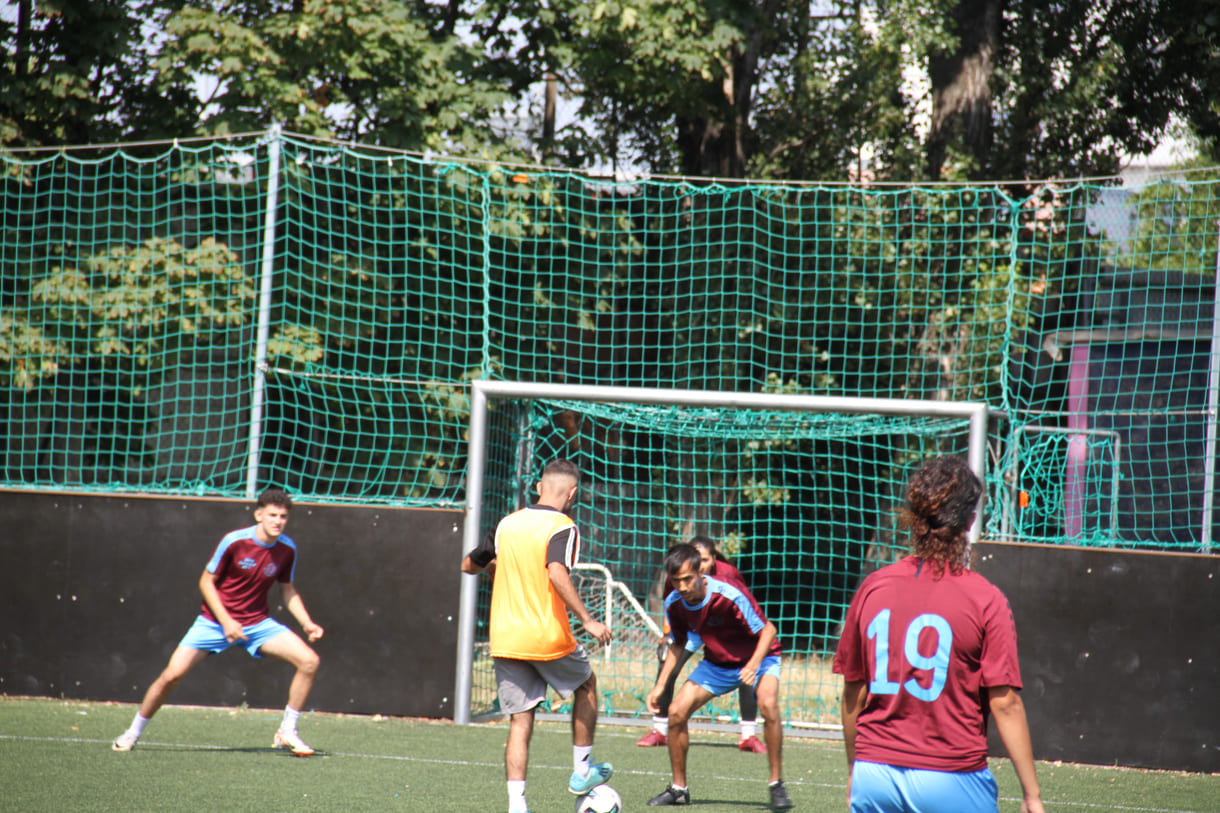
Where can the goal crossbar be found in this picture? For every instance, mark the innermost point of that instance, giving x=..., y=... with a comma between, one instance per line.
x=484, y=391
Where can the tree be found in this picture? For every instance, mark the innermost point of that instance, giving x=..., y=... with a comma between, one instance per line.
x=80, y=72
x=393, y=73
x=1072, y=84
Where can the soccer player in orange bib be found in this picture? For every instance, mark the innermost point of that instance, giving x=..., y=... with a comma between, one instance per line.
x=533, y=551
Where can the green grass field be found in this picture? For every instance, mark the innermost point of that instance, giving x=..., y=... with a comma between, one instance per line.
x=55, y=756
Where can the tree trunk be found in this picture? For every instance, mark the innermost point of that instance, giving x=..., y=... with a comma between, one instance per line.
x=712, y=148
x=961, y=87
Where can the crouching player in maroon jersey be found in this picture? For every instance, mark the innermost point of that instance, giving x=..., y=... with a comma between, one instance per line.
x=235, y=585
x=740, y=648
x=928, y=652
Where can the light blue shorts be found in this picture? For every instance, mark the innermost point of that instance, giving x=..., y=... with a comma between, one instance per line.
x=722, y=679
x=209, y=636
x=877, y=788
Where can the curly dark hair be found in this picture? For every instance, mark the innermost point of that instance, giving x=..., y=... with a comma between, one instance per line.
x=942, y=498
x=274, y=496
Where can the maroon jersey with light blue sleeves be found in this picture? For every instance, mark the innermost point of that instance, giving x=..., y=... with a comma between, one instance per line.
x=928, y=647
x=245, y=569
x=726, y=623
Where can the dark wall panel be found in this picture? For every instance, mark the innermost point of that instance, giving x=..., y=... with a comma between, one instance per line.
x=96, y=592
x=1120, y=653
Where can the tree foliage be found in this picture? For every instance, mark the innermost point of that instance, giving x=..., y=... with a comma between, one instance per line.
x=778, y=88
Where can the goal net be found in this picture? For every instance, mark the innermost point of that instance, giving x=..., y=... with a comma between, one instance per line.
x=800, y=493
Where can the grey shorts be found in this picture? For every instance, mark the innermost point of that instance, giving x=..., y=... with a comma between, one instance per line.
x=521, y=685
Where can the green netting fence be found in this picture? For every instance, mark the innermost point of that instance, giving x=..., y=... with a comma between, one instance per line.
x=214, y=316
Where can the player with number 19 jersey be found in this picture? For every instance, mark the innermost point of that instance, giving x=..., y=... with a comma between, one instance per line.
x=928, y=647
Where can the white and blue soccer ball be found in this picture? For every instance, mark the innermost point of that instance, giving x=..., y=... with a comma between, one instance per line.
x=602, y=799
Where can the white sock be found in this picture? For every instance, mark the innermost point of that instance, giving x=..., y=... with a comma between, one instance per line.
x=138, y=724
x=748, y=728
x=516, y=796
x=581, y=757
x=661, y=724
x=291, y=715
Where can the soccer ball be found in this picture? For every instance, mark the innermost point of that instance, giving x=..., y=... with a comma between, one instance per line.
x=602, y=799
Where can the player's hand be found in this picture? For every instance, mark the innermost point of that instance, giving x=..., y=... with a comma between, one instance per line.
x=652, y=701
x=1034, y=806
x=234, y=632
x=313, y=631
x=849, y=789
x=600, y=632
x=748, y=674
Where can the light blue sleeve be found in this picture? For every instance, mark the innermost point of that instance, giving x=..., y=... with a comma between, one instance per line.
x=743, y=604
x=287, y=540
x=229, y=539
x=693, y=641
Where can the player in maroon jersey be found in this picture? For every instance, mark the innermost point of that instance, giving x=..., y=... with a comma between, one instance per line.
x=928, y=652
x=235, y=585
x=711, y=563
x=740, y=648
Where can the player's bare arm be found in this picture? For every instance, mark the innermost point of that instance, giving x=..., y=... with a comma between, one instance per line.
x=468, y=566
x=855, y=692
x=749, y=672
x=1009, y=714
x=296, y=606
x=653, y=699
x=207, y=586
x=482, y=558
x=561, y=580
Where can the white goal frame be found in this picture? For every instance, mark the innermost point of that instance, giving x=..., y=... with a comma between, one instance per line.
x=483, y=391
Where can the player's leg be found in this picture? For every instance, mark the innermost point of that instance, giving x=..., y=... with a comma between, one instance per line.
x=520, y=688
x=748, y=702
x=767, y=690
x=517, y=751
x=584, y=713
x=572, y=676
x=660, y=721
x=203, y=638
x=181, y=662
x=285, y=645
x=691, y=697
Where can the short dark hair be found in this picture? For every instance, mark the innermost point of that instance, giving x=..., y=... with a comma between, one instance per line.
x=679, y=555
x=563, y=467
x=274, y=496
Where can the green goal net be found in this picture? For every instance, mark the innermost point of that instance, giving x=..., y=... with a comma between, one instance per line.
x=803, y=501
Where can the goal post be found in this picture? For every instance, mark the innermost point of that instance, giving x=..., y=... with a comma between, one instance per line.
x=484, y=391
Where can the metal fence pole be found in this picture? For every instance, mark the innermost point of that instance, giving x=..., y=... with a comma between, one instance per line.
x=1209, y=446
x=259, y=395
